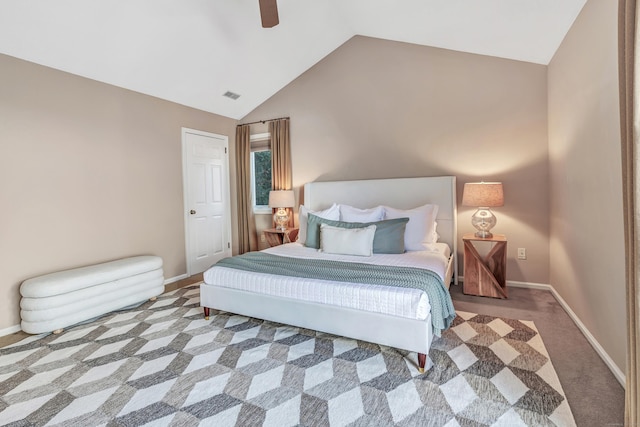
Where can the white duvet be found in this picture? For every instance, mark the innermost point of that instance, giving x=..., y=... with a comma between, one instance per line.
x=391, y=300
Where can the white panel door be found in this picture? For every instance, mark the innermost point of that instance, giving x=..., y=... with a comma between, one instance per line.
x=206, y=189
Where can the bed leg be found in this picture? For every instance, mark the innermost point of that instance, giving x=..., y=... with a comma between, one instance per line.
x=206, y=313
x=422, y=361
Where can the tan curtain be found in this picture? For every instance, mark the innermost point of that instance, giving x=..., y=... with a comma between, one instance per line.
x=630, y=130
x=247, y=235
x=281, y=175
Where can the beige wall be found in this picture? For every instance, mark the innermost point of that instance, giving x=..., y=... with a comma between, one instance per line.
x=88, y=173
x=382, y=109
x=587, y=246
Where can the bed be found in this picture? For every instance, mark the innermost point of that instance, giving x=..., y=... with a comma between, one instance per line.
x=396, y=318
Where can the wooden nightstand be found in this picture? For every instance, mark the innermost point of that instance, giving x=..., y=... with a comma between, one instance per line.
x=275, y=237
x=485, y=276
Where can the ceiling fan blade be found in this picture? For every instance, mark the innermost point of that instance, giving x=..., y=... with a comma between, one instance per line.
x=269, y=13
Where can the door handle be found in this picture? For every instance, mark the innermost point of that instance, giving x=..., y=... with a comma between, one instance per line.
x=192, y=212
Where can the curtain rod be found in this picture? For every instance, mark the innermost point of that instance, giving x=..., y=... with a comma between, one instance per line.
x=263, y=121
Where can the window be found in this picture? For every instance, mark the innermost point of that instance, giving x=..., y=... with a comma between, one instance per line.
x=261, y=180
x=260, y=173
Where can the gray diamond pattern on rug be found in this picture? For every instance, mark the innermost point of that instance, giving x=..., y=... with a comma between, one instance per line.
x=162, y=364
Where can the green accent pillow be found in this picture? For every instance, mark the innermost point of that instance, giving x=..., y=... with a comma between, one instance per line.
x=389, y=237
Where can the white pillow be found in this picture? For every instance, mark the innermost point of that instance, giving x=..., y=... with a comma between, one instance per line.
x=347, y=241
x=332, y=213
x=351, y=214
x=421, y=228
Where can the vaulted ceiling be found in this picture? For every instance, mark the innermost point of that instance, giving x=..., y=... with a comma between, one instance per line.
x=193, y=51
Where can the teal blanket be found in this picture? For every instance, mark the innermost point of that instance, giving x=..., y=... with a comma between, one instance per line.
x=442, y=311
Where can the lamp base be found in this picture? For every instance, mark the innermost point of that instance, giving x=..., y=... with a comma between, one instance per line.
x=281, y=218
x=483, y=234
x=483, y=220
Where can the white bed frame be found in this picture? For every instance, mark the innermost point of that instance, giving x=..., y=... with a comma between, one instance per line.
x=393, y=331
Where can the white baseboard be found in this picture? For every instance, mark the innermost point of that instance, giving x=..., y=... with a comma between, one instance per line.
x=541, y=286
x=10, y=330
x=617, y=372
x=514, y=284
x=175, y=279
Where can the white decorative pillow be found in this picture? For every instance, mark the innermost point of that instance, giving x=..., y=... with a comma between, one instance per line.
x=421, y=228
x=347, y=241
x=332, y=213
x=351, y=214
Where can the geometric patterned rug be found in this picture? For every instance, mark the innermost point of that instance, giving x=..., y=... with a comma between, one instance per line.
x=162, y=364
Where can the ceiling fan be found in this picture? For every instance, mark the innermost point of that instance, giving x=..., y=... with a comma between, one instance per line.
x=269, y=13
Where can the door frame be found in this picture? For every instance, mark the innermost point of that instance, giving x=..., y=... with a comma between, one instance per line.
x=185, y=191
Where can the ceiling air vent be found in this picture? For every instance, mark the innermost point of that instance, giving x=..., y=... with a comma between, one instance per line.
x=231, y=95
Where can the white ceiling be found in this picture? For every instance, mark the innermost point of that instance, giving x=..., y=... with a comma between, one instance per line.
x=193, y=51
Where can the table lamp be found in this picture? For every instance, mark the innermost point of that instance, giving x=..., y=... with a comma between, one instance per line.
x=483, y=195
x=280, y=200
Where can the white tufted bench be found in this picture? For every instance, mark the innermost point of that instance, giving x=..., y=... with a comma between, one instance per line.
x=57, y=300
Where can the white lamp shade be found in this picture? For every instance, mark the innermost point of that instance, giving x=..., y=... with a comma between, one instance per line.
x=483, y=194
x=281, y=199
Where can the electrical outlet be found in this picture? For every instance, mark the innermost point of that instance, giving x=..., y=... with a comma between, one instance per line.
x=262, y=238
x=522, y=253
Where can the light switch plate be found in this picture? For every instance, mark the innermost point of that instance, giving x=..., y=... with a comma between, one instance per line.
x=522, y=253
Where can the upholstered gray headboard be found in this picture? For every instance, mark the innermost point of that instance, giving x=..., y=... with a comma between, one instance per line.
x=401, y=193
